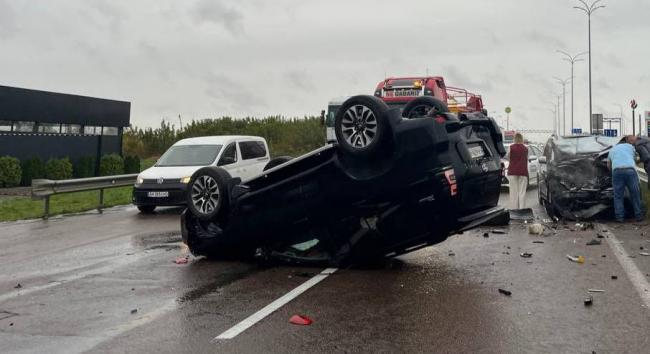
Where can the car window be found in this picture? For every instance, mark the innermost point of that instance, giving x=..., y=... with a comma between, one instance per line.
x=229, y=155
x=252, y=149
x=189, y=155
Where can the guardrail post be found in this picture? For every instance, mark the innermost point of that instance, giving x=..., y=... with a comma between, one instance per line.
x=46, y=212
x=101, y=200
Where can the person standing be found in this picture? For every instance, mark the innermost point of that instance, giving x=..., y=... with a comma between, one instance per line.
x=621, y=163
x=642, y=146
x=518, y=172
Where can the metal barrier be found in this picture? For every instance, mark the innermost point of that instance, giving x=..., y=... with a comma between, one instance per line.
x=44, y=188
x=643, y=176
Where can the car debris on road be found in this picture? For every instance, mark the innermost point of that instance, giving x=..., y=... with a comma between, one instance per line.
x=300, y=320
x=505, y=292
x=576, y=259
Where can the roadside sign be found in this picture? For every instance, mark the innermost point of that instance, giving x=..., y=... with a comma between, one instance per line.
x=610, y=132
x=508, y=110
x=577, y=131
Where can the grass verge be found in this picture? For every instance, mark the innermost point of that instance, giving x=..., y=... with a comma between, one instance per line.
x=25, y=208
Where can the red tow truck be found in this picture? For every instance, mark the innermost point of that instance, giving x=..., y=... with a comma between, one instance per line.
x=401, y=90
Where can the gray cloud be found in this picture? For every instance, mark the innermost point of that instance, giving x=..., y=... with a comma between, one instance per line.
x=229, y=94
x=543, y=39
x=300, y=79
x=7, y=21
x=216, y=12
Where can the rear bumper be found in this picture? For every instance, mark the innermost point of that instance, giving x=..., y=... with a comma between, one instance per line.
x=176, y=196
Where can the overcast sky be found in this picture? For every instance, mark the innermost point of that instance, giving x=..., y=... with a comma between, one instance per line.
x=209, y=58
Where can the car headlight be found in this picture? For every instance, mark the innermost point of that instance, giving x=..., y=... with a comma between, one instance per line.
x=140, y=180
x=185, y=180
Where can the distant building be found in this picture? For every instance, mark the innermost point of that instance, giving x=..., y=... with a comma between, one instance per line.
x=47, y=124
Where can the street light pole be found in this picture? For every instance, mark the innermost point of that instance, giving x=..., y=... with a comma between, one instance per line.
x=572, y=59
x=563, y=83
x=589, y=9
x=620, y=107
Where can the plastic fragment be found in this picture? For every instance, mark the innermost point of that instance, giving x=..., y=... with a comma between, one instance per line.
x=577, y=259
x=182, y=260
x=594, y=242
x=18, y=286
x=134, y=311
x=538, y=241
x=595, y=290
x=589, y=300
x=644, y=253
x=485, y=234
x=505, y=292
x=300, y=320
x=614, y=277
x=498, y=231
x=451, y=253
x=526, y=254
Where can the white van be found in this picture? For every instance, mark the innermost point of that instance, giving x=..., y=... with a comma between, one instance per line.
x=164, y=184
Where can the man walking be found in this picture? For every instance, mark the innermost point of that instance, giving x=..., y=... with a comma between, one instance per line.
x=621, y=163
x=642, y=146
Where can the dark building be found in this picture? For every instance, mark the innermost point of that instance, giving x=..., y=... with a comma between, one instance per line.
x=47, y=124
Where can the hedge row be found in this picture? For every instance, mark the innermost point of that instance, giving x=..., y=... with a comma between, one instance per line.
x=14, y=172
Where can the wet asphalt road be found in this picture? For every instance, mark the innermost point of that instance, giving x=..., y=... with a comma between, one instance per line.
x=108, y=283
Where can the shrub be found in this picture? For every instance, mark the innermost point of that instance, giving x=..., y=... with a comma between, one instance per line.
x=32, y=169
x=131, y=164
x=58, y=168
x=10, y=171
x=110, y=165
x=85, y=167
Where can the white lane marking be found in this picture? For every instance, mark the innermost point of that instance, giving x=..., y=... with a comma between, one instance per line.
x=272, y=307
x=633, y=273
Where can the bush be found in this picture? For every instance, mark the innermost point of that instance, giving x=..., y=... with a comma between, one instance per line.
x=58, y=169
x=85, y=167
x=32, y=169
x=110, y=165
x=10, y=171
x=131, y=164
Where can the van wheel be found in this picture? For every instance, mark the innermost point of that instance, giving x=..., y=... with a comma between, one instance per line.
x=362, y=127
x=277, y=161
x=146, y=209
x=208, y=194
x=422, y=106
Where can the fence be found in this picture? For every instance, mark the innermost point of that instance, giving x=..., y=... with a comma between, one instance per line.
x=45, y=188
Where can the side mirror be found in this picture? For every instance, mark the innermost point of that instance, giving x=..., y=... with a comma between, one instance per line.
x=226, y=160
x=542, y=159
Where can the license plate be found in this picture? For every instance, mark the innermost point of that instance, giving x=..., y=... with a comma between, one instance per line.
x=402, y=93
x=158, y=194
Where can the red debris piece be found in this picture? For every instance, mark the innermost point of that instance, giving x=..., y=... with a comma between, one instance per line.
x=181, y=260
x=300, y=320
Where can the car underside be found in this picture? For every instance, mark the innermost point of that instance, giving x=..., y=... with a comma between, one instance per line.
x=399, y=185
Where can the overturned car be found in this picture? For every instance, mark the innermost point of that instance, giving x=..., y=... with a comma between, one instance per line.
x=574, y=181
x=395, y=182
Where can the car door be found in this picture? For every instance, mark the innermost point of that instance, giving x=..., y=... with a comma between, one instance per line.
x=254, y=156
x=229, y=160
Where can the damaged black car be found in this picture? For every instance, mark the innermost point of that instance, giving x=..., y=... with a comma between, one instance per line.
x=574, y=181
x=395, y=182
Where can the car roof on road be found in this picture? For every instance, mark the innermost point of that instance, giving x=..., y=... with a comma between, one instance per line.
x=217, y=139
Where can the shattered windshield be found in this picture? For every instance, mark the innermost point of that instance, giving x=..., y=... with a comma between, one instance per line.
x=585, y=144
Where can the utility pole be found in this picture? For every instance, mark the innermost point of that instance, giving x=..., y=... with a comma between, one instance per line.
x=563, y=83
x=572, y=59
x=589, y=9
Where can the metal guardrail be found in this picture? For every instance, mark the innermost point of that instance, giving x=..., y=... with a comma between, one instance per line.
x=45, y=188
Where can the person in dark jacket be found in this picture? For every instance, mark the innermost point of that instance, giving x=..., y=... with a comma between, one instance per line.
x=642, y=147
x=517, y=172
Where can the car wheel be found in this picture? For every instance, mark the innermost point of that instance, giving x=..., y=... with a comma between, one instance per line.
x=146, y=209
x=207, y=193
x=277, y=161
x=361, y=126
x=422, y=106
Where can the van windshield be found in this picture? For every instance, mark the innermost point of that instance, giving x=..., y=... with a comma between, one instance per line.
x=189, y=155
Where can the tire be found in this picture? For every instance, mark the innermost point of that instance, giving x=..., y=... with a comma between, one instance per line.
x=361, y=126
x=208, y=195
x=146, y=209
x=277, y=161
x=423, y=106
x=206, y=238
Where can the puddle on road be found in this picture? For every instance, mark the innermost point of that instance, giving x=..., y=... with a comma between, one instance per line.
x=158, y=240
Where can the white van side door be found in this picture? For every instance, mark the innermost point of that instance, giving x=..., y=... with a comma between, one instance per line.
x=255, y=155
